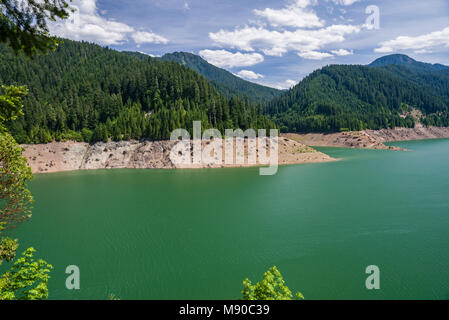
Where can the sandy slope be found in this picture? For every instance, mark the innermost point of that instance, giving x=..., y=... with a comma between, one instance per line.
x=360, y=139
x=401, y=134
x=68, y=156
x=293, y=149
x=370, y=139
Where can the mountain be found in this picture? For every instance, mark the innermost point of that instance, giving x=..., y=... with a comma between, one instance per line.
x=85, y=92
x=227, y=83
x=354, y=97
x=433, y=78
x=404, y=60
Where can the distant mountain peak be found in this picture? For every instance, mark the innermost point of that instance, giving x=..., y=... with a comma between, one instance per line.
x=226, y=82
x=404, y=60
x=398, y=59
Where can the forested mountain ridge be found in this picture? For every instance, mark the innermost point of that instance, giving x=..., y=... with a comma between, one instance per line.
x=432, y=78
x=227, y=83
x=355, y=97
x=85, y=92
x=404, y=60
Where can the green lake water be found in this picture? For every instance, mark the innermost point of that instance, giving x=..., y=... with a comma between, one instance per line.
x=196, y=234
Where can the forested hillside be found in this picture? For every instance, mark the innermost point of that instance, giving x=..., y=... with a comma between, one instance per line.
x=352, y=97
x=227, y=83
x=85, y=92
x=405, y=61
x=432, y=78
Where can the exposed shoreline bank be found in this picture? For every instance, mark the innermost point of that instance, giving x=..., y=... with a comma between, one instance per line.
x=370, y=139
x=293, y=149
x=71, y=156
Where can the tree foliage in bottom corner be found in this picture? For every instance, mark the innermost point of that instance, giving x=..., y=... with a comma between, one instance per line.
x=27, y=279
x=272, y=287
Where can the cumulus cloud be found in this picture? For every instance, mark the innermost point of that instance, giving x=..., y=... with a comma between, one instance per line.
x=287, y=84
x=147, y=37
x=305, y=3
x=345, y=2
x=249, y=75
x=276, y=43
x=296, y=27
x=294, y=15
x=224, y=58
x=150, y=54
x=87, y=24
x=423, y=43
x=342, y=52
x=314, y=55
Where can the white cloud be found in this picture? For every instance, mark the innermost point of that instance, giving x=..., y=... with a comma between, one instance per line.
x=250, y=75
x=422, y=43
x=147, y=37
x=287, y=84
x=305, y=3
x=294, y=15
x=223, y=58
x=87, y=24
x=314, y=55
x=342, y=52
x=345, y=2
x=276, y=43
x=150, y=54
x=423, y=51
x=306, y=33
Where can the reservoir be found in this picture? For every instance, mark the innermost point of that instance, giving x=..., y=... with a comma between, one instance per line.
x=196, y=234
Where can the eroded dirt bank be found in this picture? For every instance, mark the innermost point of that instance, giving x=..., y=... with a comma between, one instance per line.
x=402, y=134
x=360, y=139
x=370, y=139
x=293, y=149
x=69, y=156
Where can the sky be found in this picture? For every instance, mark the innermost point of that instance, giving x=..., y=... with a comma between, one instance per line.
x=274, y=43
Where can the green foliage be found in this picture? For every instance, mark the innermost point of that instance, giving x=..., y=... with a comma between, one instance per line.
x=23, y=24
x=272, y=287
x=8, y=248
x=352, y=97
x=11, y=103
x=27, y=279
x=227, y=83
x=15, y=198
x=84, y=91
x=113, y=297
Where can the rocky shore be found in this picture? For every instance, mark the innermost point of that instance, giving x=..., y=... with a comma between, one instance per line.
x=360, y=139
x=293, y=149
x=69, y=156
x=370, y=139
x=420, y=132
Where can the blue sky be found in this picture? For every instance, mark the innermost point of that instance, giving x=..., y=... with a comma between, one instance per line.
x=275, y=43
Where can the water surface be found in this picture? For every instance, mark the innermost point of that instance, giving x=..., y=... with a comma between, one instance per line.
x=196, y=234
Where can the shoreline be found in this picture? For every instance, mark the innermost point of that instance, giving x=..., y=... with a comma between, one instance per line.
x=370, y=139
x=294, y=148
x=73, y=156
